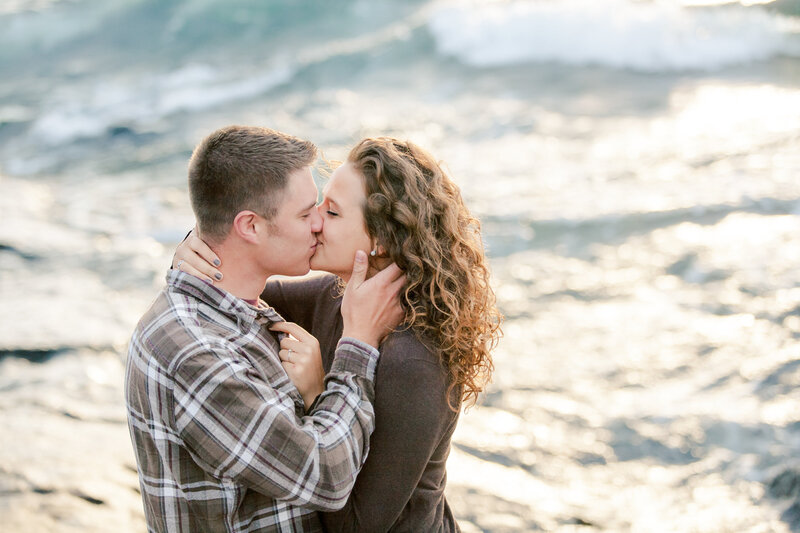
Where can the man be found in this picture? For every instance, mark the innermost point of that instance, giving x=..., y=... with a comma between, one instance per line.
x=222, y=437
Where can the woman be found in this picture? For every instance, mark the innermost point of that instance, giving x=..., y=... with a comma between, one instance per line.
x=393, y=198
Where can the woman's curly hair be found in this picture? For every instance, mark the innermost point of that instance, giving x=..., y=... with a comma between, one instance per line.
x=415, y=211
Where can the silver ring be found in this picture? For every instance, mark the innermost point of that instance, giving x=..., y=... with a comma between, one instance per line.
x=178, y=266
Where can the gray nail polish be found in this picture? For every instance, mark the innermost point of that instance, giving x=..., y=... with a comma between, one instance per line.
x=218, y=276
x=216, y=262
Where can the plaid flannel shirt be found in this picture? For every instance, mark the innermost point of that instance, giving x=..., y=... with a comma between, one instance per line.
x=219, y=431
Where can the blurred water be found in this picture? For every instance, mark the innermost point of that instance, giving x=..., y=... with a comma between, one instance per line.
x=635, y=165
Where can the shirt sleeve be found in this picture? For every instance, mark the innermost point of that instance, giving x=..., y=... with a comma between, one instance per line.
x=239, y=428
x=412, y=416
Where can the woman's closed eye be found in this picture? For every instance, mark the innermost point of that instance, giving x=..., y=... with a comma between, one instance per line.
x=332, y=213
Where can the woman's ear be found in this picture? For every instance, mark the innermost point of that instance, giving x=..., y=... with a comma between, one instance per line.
x=247, y=226
x=377, y=260
x=377, y=250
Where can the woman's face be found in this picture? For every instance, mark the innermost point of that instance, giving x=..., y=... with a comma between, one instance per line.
x=343, y=228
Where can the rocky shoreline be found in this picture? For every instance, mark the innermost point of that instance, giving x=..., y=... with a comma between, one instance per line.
x=654, y=372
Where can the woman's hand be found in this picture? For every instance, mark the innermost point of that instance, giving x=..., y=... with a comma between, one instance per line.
x=300, y=357
x=372, y=308
x=194, y=257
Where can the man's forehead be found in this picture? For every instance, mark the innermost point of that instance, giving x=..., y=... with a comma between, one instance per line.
x=297, y=195
x=302, y=186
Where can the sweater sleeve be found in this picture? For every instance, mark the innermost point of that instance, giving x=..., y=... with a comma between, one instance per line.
x=412, y=416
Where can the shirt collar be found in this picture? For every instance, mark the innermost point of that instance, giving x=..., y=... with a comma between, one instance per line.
x=221, y=300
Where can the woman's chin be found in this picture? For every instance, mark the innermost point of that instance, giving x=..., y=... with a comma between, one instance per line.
x=322, y=266
x=319, y=265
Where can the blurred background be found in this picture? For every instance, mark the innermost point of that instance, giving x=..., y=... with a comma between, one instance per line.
x=636, y=166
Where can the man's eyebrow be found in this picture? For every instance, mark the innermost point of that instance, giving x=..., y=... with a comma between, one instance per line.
x=310, y=206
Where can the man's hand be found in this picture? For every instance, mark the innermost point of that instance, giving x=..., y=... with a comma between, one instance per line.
x=371, y=309
x=194, y=257
x=300, y=357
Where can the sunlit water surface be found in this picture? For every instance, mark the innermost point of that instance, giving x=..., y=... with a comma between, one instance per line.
x=635, y=166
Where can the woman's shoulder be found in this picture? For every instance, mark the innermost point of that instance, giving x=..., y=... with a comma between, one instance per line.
x=411, y=374
x=303, y=289
x=403, y=352
x=301, y=299
x=312, y=283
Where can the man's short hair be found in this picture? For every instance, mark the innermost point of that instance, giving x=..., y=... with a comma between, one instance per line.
x=242, y=168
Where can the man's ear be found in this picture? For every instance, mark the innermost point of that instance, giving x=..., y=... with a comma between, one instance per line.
x=248, y=226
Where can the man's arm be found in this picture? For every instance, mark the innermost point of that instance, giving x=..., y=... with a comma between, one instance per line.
x=238, y=427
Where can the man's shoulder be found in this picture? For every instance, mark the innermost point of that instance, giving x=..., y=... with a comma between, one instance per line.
x=169, y=309
x=175, y=322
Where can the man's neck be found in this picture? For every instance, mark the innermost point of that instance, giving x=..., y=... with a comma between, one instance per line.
x=241, y=276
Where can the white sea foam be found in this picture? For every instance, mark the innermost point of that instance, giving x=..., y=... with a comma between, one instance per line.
x=197, y=88
x=108, y=103
x=47, y=24
x=643, y=36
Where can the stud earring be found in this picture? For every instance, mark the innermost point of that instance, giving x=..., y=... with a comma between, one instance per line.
x=374, y=252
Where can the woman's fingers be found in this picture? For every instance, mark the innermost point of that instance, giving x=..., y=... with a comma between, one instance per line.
x=391, y=272
x=296, y=347
x=202, y=249
x=196, y=267
x=398, y=283
x=294, y=330
x=189, y=259
x=189, y=269
x=301, y=360
x=286, y=357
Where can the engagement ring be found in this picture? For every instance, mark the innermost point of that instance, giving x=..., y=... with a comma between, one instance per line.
x=178, y=266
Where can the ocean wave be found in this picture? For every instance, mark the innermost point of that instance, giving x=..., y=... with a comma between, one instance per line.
x=640, y=36
x=91, y=112
x=112, y=103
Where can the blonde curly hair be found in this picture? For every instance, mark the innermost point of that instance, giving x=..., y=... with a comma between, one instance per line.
x=415, y=211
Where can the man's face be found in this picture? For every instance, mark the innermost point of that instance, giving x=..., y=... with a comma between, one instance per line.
x=291, y=241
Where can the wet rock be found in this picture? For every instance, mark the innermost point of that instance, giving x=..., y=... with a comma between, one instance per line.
x=21, y=253
x=630, y=445
x=785, y=485
x=58, y=471
x=579, y=522
x=485, y=511
x=792, y=516
x=35, y=355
